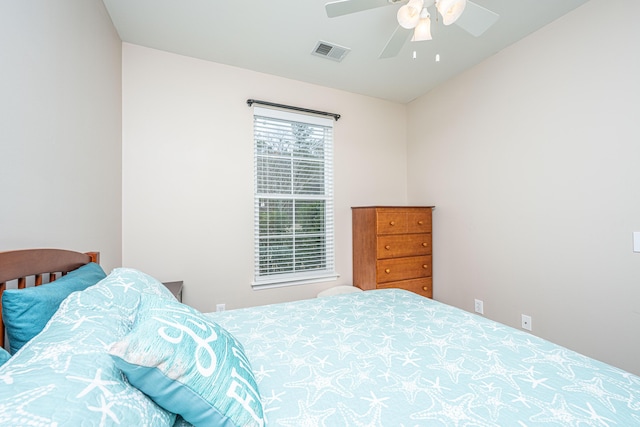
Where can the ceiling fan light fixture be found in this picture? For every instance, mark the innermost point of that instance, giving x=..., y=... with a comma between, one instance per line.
x=450, y=10
x=422, y=31
x=409, y=14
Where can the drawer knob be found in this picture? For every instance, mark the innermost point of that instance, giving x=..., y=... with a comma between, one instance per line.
x=387, y=270
x=424, y=288
x=392, y=223
x=420, y=222
x=425, y=266
x=424, y=244
x=387, y=247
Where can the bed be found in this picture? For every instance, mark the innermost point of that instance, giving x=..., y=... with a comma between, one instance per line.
x=123, y=351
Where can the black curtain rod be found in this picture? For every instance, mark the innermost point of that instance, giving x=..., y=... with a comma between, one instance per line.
x=250, y=102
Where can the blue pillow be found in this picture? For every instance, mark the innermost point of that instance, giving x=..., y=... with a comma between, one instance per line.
x=4, y=356
x=27, y=311
x=189, y=365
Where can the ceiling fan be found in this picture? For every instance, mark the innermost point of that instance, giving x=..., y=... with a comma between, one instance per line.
x=415, y=15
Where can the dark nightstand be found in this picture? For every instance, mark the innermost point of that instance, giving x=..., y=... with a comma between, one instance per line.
x=175, y=288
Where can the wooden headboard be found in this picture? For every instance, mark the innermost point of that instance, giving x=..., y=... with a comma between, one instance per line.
x=38, y=263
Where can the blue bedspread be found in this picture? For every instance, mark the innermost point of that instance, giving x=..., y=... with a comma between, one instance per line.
x=393, y=358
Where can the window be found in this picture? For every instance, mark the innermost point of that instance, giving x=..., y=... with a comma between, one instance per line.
x=293, y=200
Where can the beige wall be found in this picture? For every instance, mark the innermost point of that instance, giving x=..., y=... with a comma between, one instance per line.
x=60, y=138
x=530, y=158
x=532, y=161
x=188, y=171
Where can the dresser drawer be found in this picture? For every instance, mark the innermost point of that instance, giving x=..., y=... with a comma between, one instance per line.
x=419, y=221
x=395, y=246
x=422, y=286
x=394, y=269
x=394, y=221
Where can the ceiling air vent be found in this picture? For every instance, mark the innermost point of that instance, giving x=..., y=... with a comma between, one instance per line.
x=331, y=51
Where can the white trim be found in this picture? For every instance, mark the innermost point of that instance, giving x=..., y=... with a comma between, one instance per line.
x=280, y=283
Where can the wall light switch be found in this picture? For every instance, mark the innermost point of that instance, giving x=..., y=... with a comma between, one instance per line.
x=636, y=241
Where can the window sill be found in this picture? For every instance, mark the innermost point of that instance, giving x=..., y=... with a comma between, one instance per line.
x=279, y=283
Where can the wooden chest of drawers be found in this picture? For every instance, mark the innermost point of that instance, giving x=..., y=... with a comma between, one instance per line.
x=392, y=248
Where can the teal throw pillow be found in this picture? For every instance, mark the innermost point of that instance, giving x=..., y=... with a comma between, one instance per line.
x=4, y=356
x=27, y=311
x=189, y=365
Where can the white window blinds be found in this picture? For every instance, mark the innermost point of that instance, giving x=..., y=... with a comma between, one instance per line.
x=293, y=200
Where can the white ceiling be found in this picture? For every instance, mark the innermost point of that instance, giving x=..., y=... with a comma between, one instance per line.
x=277, y=37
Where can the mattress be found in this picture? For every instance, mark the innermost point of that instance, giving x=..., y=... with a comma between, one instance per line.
x=393, y=358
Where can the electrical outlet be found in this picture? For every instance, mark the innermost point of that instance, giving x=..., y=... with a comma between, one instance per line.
x=479, y=306
x=526, y=322
x=220, y=307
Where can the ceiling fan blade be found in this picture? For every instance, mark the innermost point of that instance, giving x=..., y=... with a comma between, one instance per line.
x=345, y=7
x=476, y=19
x=395, y=43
